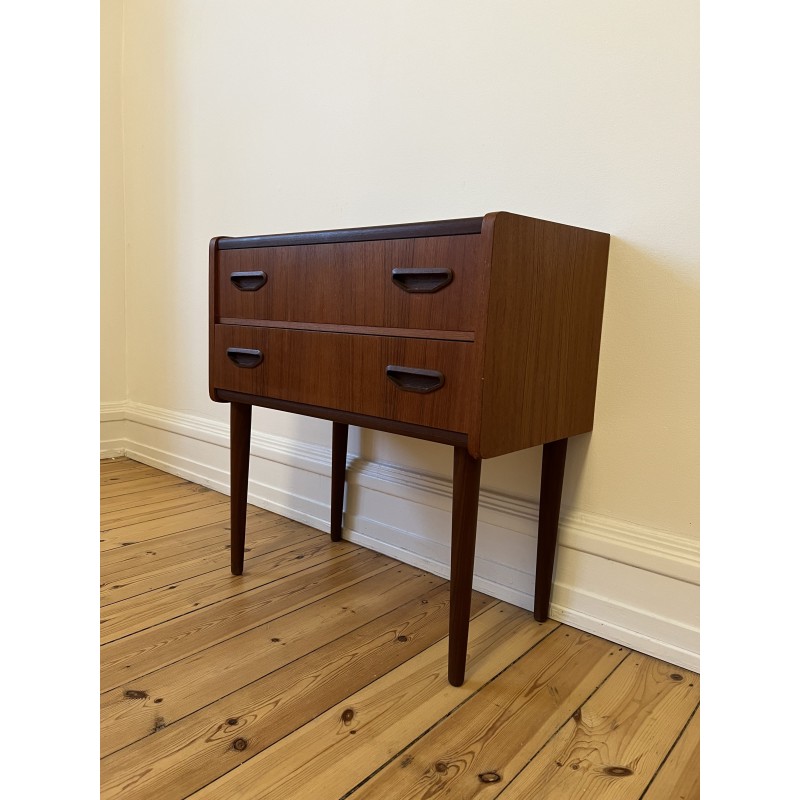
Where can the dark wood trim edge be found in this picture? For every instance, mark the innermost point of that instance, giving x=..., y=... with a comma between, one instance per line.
x=413, y=230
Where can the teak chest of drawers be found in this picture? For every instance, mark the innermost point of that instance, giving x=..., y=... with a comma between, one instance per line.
x=480, y=333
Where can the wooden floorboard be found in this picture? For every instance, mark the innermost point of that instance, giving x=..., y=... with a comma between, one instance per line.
x=140, y=484
x=204, y=559
x=198, y=591
x=324, y=759
x=137, y=472
x=679, y=776
x=612, y=746
x=321, y=673
x=140, y=555
x=174, y=523
x=186, y=686
x=152, y=648
x=134, y=500
x=499, y=729
x=162, y=508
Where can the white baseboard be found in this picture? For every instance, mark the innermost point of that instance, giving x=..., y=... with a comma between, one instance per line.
x=112, y=429
x=626, y=582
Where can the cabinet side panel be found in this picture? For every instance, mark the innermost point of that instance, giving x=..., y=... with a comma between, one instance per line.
x=543, y=334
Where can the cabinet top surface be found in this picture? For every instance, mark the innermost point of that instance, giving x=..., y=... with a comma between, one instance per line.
x=446, y=227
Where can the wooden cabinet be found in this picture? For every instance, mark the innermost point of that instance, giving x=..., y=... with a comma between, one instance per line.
x=482, y=333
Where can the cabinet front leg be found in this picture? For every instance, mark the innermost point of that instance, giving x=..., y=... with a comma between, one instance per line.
x=554, y=457
x=241, y=414
x=466, y=489
x=338, y=471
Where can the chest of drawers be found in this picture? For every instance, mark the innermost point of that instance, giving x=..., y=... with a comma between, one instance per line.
x=480, y=333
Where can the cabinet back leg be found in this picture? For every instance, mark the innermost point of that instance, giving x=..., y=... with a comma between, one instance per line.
x=241, y=414
x=554, y=457
x=338, y=473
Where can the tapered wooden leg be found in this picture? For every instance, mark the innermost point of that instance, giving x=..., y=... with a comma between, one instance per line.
x=241, y=414
x=338, y=470
x=466, y=488
x=553, y=459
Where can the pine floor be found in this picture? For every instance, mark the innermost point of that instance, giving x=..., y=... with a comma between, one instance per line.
x=321, y=673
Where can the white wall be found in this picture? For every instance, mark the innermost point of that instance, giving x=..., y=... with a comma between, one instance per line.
x=245, y=117
x=113, y=383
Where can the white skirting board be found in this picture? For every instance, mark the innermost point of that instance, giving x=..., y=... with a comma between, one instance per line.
x=112, y=429
x=631, y=584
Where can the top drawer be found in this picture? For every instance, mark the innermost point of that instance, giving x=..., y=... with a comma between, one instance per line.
x=432, y=283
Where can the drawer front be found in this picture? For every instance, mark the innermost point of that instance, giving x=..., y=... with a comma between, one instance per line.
x=348, y=372
x=433, y=283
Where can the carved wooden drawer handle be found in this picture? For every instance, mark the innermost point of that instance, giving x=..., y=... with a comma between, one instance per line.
x=248, y=281
x=425, y=279
x=244, y=357
x=415, y=380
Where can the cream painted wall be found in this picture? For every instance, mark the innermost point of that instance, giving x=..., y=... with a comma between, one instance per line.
x=113, y=384
x=245, y=117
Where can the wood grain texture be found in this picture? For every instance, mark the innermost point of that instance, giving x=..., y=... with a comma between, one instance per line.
x=162, y=526
x=140, y=485
x=162, y=508
x=545, y=309
x=128, y=616
x=140, y=556
x=107, y=477
x=155, y=646
x=349, y=373
x=221, y=736
x=351, y=284
x=347, y=743
x=118, y=462
x=186, y=686
x=199, y=560
x=293, y=687
x=614, y=743
x=679, y=776
x=134, y=500
x=499, y=729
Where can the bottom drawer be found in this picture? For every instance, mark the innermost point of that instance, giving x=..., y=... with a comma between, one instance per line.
x=431, y=382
